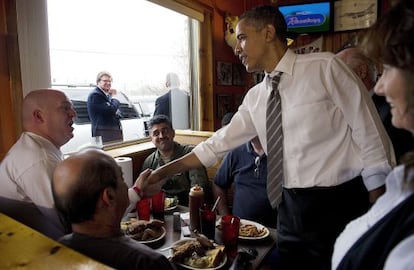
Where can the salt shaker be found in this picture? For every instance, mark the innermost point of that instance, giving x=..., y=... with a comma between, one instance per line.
x=196, y=200
x=176, y=221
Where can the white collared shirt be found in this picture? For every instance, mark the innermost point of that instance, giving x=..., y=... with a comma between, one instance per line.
x=396, y=192
x=330, y=134
x=26, y=174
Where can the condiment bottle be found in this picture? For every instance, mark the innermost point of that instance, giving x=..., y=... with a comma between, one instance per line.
x=196, y=200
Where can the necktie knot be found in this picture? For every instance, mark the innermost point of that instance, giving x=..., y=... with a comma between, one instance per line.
x=275, y=81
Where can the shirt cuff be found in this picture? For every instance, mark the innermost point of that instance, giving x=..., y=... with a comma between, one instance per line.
x=133, y=196
x=374, y=177
x=374, y=181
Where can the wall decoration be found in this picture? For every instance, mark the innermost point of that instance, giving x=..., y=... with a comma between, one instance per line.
x=224, y=105
x=315, y=46
x=238, y=72
x=355, y=14
x=224, y=73
x=230, y=33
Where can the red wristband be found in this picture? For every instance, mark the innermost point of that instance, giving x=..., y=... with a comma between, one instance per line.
x=139, y=192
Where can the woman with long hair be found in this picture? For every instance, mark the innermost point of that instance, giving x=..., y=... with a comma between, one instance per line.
x=383, y=238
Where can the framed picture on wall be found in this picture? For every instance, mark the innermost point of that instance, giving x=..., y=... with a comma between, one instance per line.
x=238, y=78
x=354, y=14
x=224, y=105
x=224, y=73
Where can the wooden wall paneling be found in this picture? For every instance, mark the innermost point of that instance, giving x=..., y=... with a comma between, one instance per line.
x=206, y=109
x=224, y=53
x=10, y=77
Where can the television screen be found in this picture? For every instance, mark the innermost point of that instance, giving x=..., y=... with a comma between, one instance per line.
x=308, y=18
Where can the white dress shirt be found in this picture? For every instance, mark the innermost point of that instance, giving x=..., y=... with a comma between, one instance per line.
x=26, y=174
x=332, y=132
x=396, y=192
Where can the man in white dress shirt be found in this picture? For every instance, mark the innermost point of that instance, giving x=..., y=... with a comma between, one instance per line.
x=335, y=148
x=26, y=171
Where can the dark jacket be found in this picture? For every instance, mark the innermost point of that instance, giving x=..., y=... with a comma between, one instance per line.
x=163, y=105
x=104, y=114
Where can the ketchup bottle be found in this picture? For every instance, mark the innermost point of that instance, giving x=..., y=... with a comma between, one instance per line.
x=196, y=200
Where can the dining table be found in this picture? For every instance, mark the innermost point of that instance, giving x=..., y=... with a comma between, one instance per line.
x=22, y=247
x=262, y=246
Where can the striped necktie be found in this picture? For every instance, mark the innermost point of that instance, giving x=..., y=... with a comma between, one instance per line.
x=274, y=135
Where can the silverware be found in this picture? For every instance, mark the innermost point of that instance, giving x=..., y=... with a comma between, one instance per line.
x=165, y=249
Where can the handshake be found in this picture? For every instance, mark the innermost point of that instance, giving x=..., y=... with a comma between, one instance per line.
x=149, y=183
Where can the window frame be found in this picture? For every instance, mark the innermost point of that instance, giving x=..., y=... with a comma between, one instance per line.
x=34, y=52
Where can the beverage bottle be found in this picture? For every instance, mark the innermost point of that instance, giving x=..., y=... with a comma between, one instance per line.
x=196, y=200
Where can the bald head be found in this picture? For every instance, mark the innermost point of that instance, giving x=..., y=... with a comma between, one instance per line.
x=172, y=80
x=38, y=100
x=50, y=114
x=79, y=180
x=363, y=66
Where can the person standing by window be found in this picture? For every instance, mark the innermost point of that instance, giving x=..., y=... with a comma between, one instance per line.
x=103, y=110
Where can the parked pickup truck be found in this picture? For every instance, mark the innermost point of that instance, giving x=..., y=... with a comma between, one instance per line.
x=133, y=119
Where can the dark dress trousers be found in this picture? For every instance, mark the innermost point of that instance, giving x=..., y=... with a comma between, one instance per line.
x=104, y=114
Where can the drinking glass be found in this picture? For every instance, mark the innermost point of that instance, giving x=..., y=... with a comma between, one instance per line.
x=97, y=141
x=143, y=209
x=208, y=222
x=230, y=226
x=158, y=203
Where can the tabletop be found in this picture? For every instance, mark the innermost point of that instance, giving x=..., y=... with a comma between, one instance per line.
x=24, y=248
x=263, y=246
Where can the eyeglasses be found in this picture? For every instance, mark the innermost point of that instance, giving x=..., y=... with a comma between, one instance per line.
x=257, y=170
x=106, y=81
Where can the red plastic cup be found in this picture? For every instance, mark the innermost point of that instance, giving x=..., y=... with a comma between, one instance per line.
x=230, y=226
x=208, y=222
x=158, y=203
x=144, y=209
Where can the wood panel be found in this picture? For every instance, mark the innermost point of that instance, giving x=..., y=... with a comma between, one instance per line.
x=10, y=78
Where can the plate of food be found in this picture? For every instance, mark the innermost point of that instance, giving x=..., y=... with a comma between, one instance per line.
x=250, y=230
x=190, y=253
x=170, y=203
x=143, y=231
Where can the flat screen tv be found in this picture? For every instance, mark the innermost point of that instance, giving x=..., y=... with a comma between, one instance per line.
x=308, y=18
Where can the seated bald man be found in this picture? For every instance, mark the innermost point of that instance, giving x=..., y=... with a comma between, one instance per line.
x=89, y=188
x=27, y=169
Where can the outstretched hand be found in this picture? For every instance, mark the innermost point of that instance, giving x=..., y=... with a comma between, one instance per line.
x=149, y=183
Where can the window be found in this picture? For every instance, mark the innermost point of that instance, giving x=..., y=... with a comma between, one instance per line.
x=138, y=42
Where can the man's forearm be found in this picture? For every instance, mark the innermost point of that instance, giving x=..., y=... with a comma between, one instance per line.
x=222, y=205
x=185, y=163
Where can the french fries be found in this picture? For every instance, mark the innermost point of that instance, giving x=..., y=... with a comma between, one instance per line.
x=250, y=230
